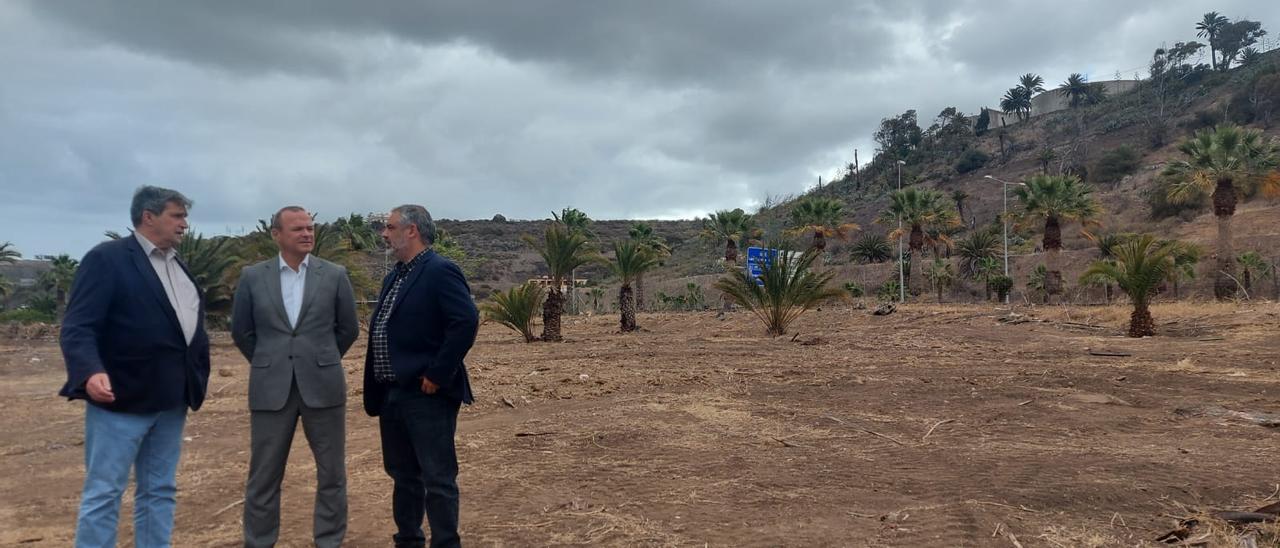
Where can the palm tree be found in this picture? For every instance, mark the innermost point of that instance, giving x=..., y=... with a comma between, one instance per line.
x=8, y=255
x=1032, y=83
x=979, y=246
x=1208, y=27
x=989, y=271
x=515, y=308
x=1185, y=258
x=821, y=216
x=1139, y=267
x=1252, y=267
x=959, y=196
x=1076, y=89
x=941, y=275
x=1106, y=245
x=872, y=248
x=1057, y=199
x=1046, y=157
x=563, y=250
x=208, y=261
x=576, y=221
x=1016, y=101
x=359, y=234
x=729, y=227
x=919, y=209
x=1230, y=160
x=630, y=260
x=58, y=280
x=642, y=233
x=788, y=286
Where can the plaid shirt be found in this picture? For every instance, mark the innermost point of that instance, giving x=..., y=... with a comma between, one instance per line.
x=378, y=331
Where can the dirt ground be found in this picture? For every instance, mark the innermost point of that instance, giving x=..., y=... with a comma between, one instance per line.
x=933, y=426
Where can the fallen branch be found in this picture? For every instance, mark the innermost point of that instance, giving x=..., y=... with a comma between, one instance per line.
x=1109, y=353
x=882, y=436
x=526, y=434
x=228, y=507
x=786, y=443
x=935, y=426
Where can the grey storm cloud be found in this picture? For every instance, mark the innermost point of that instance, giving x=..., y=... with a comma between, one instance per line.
x=663, y=109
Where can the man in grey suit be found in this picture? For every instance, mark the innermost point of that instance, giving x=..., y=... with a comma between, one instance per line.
x=294, y=317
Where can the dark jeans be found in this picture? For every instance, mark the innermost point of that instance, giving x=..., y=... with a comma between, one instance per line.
x=418, y=453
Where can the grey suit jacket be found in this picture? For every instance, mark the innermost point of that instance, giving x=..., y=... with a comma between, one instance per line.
x=311, y=352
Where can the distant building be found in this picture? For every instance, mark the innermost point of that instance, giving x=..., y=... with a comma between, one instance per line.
x=545, y=281
x=25, y=276
x=1053, y=101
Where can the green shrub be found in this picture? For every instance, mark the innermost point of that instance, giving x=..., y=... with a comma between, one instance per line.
x=26, y=316
x=971, y=160
x=1115, y=164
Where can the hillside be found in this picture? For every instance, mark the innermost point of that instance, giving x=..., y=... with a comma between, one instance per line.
x=1130, y=121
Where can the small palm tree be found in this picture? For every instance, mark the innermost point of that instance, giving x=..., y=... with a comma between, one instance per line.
x=872, y=248
x=642, y=233
x=1252, y=267
x=8, y=255
x=959, y=196
x=1208, y=27
x=941, y=275
x=788, y=287
x=729, y=227
x=918, y=209
x=1056, y=199
x=359, y=234
x=1139, y=267
x=979, y=246
x=821, y=216
x=630, y=261
x=1185, y=258
x=1046, y=157
x=516, y=308
x=58, y=280
x=563, y=251
x=1016, y=101
x=1106, y=244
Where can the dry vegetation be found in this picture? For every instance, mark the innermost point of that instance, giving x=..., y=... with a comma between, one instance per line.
x=934, y=426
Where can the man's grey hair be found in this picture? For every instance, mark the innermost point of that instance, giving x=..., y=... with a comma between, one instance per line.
x=418, y=216
x=154, y=199
x=275, y=217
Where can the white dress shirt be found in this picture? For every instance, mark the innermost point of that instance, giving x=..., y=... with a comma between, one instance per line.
x=177, y=285
x=292, y=282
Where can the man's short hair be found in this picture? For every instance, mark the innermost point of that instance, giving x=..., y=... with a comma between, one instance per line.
x=154, y=199
x=418, y=216
x=275, y=218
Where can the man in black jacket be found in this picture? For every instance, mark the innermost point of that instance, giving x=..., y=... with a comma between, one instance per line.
x=414, y=378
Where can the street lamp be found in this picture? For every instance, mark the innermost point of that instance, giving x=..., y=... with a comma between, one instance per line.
x=1005, y=218
x=902, y=288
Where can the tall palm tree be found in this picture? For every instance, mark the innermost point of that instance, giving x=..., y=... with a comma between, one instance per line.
x=729, y=227
x=642, y=233
x=1138, y=267
x=563, y=250
x=576, y=221
x=1032, y=83
x=1230, y=160
x=630, y=260
x=1056, y=199
x=1076, y=89
x=919, y=209
x=1208, y=27
x=1016, y=101
x=8, y=255
x=959, y=196
x=821, y=216
x=58, y=280
x=788, y=286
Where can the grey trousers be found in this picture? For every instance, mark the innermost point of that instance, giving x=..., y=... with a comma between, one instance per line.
x=271, y=434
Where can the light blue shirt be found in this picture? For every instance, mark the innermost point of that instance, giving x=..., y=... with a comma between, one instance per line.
x=292, y=283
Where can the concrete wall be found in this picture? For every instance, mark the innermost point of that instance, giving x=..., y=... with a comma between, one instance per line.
x=1053, y=101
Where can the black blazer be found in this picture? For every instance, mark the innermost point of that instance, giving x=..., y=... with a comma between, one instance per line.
x=433, y=324
x=120, y=321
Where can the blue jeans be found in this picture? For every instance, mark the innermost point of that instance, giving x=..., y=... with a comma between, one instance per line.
x=114, y=443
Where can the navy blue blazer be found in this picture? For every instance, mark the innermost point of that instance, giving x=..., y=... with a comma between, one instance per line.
x=120, y=321
x=432, y=325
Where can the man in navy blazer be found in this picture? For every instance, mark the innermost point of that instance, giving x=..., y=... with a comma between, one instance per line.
x=414, y=378
x=136, y=350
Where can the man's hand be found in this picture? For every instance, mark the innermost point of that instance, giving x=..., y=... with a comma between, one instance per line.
x=428, y=386
x=99, y=388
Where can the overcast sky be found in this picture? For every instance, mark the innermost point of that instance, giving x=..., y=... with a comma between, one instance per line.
x=624, y=109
